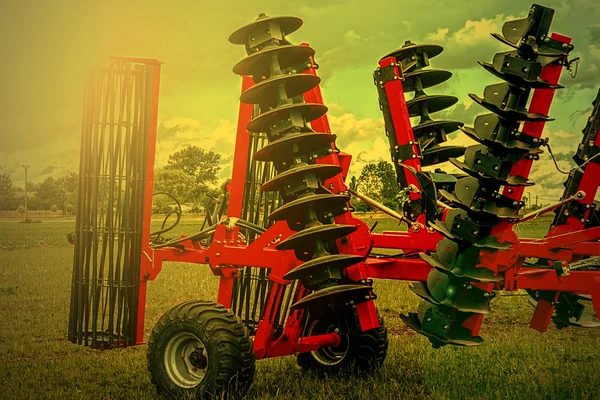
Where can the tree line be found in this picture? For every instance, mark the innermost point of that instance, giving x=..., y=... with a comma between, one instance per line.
x=56, y=194
x=190, y=176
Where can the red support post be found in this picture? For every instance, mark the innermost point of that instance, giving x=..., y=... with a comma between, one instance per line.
x=241, y=154
x=146, y=262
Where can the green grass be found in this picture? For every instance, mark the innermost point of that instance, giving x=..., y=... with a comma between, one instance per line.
x=36, y=360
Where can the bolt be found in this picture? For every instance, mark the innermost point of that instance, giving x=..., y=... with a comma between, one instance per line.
x=218, y=254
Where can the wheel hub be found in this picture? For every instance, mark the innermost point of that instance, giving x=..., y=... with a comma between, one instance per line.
x=330, y=355
x=186, y=360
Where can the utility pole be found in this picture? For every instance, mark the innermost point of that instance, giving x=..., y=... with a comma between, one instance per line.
x=26, y=167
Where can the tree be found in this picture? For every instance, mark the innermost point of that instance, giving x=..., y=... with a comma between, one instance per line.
x=175, y=182
x=7, y=193
x=61, y=192
x=378, y=181
x=48, y=193
x=196, y=162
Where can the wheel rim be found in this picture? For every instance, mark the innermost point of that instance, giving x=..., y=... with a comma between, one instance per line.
x=329, y=355
x=186, y=360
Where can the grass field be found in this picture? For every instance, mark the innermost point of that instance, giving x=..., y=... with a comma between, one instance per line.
x=37, y=362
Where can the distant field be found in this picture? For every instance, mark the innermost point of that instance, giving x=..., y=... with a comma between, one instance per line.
x=37, y=362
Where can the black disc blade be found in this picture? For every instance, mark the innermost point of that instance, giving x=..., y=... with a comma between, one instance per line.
x=510, y=180
x=321, y=171
x=267, y=90
x=259, y=63
x=307, y=237
x=332, y=295
x=438, y=154
x=510, y=114
x=406, y=51
x=412, y=320
x=313, y=267
x=287, y=25
x=432, y=126
x=518, y=81
x=428, y=78
x=434, y=103
x=294, y=144
x=318, y=202
x=308, y=111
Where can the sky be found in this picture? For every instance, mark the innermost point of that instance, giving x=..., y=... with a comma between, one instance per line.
x=48, y=46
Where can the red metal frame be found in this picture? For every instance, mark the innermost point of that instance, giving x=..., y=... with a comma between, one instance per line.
x=227, y=252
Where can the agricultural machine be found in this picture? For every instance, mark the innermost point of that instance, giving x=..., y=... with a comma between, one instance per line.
x=295, y=267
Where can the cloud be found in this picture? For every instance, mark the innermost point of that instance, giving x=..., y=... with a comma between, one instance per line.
x=468, y=43
x=350, y=129
x=48, y=170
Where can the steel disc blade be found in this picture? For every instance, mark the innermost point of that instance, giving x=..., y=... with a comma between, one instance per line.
x=509, y=146
x=313, y=267
x=287, y=25
x=438, y=154
x=481, y=275
x=407, y=50
x=442, y=228
x=434, y=103
x=307, y=237
x=459, y=303
x=510, y=180
x=259, y=63
x=433, y=260
x=295, y=144
x=510, y=114
x=412, y=320
x=517, y=80
x=267, y=90
x=318, y=202
x=321, y=171
x=466, y=191
x=428, y=77
x=426, y=127
x=308, y=111
x=332, y=295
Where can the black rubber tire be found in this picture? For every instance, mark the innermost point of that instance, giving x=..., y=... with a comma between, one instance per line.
x=364, y=351
x=230, y=358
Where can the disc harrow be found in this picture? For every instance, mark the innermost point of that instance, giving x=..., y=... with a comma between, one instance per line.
x=478, y=243
x=294, y=265
x=277, y=67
